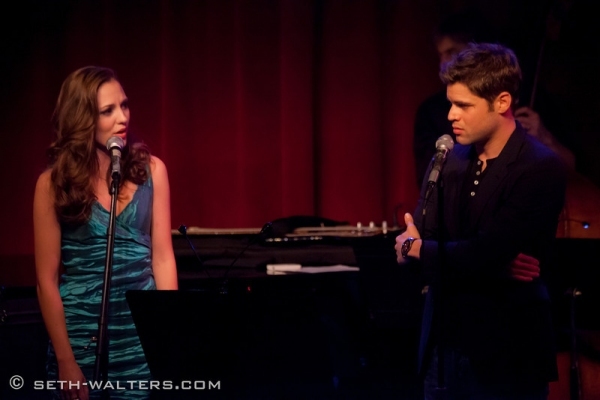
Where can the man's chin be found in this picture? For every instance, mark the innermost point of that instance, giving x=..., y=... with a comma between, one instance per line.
x=462, y=140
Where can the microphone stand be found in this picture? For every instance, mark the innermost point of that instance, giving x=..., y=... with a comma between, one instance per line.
x=183, y=230
x=443, y=145
x=439, y=297
x=101, y=365
x=223, y=289
x=575, y=377
x=225, y=283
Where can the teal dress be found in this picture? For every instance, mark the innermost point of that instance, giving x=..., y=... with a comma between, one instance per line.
x=84, y=255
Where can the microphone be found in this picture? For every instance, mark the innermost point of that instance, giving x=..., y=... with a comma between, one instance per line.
x=114, y=146
x=443, y=145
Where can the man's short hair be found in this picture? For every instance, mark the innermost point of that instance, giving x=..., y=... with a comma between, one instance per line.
x=487, y=69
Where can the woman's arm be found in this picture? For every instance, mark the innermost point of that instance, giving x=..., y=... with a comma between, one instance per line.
x=163, y=257
x=47, y=237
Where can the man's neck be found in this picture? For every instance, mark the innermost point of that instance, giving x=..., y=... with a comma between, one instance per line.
x=492, y=147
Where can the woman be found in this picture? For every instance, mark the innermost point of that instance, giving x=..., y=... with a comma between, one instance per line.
x=71, y=217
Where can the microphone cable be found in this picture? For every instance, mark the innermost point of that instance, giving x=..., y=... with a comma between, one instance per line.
x=183, y=230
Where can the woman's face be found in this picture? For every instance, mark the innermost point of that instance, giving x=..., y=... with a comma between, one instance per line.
x=113, y=111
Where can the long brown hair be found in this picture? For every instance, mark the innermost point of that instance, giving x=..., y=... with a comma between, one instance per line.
x=72, y=155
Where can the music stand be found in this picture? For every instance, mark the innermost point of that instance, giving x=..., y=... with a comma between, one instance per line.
x=248, y=343
x=393, y=292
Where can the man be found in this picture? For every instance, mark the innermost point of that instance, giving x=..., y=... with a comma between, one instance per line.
x=451, y=36
x=491, y=215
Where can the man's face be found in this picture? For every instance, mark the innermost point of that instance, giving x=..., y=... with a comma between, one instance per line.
x=447, y=47
x=471, y=117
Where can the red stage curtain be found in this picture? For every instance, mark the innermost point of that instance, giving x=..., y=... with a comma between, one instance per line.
x=260, y=109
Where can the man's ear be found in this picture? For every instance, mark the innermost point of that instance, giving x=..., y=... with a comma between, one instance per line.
x=503, y=102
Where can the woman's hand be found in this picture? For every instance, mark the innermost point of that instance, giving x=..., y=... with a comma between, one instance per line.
x=72, y=378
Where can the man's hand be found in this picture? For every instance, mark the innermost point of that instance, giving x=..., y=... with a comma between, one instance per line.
x=411, y=231
x=524, y=268
x=531, y=121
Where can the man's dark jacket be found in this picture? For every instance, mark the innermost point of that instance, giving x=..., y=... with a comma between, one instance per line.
x=503, y=325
